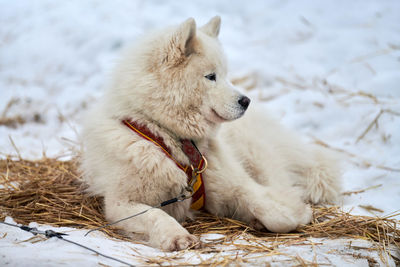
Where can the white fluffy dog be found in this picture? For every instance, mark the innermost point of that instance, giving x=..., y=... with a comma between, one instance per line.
x=168, y=90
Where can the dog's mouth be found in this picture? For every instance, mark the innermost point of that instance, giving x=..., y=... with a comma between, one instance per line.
x=217, y=117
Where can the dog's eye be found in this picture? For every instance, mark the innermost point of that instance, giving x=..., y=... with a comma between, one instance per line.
x=211, y=76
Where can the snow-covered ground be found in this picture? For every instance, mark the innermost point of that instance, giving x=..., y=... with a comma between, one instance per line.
x=330, y=70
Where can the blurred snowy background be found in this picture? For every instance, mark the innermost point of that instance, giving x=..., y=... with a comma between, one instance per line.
x=329, y=70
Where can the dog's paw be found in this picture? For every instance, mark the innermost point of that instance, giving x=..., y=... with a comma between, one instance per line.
x=283, y=212
x=176, y=240
x=182, y=242
x=289, y=220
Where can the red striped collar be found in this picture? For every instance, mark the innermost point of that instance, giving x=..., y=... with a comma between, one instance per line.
x=188, y=148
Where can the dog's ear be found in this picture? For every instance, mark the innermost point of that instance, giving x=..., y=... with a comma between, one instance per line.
x=212, y=27
x=181, y=45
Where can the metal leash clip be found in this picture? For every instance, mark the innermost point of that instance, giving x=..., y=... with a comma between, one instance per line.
x=51, y=233
x=187, y=189
x=47, y=233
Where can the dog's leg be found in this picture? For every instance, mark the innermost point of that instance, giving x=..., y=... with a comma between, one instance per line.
x=232, y=192
x=273, y=156
x=310, y=169
x=131, y=171
x=278, y=209
x=162, y=230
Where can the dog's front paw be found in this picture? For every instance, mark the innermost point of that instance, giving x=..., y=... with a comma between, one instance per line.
x=282, y=213
x=181, y=242
x=176, y=240
x=284, y=219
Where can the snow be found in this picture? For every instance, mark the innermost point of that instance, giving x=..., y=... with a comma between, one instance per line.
x=19, y=248
x=326, y=69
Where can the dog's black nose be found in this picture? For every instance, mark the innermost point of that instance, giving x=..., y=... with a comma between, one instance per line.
x=244, y=101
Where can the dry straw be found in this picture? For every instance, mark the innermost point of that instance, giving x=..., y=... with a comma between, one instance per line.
x=51, y=192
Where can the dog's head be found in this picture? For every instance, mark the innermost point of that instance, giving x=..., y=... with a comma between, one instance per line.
x=179, y=79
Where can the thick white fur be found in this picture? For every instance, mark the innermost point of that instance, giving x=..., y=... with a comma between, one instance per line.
x=258, y=172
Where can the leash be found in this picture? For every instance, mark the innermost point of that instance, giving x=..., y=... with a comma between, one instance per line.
x=51, y=233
